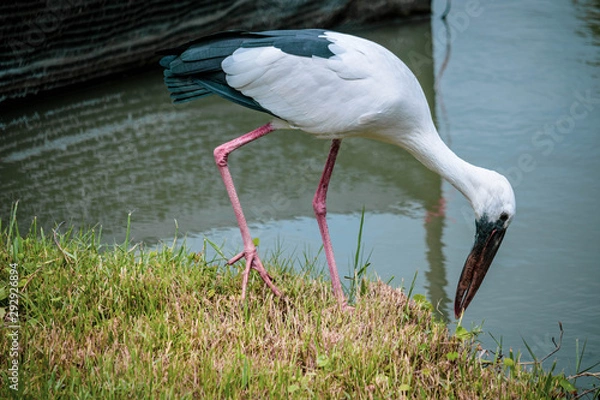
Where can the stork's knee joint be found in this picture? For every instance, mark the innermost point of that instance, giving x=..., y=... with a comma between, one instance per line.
x=221, y=155
x=320, y=207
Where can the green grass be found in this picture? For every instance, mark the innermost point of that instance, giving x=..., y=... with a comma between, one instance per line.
x=97, y=321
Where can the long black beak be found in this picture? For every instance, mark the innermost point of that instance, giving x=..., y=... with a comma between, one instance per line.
x=488, y=238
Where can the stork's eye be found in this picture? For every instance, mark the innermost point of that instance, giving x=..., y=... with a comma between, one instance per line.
x=503, y=217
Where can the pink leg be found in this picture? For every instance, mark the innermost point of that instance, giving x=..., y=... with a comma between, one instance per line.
x=252, y=261
x=320, y=207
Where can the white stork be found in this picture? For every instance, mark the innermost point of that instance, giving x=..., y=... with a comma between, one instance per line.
x=335, y=86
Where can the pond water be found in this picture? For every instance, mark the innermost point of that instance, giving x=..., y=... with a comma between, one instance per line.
x=520, y=93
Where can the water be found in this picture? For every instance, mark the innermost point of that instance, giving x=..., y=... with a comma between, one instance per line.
x=520, y=94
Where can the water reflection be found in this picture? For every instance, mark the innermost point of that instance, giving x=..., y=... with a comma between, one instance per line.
x=589, y=13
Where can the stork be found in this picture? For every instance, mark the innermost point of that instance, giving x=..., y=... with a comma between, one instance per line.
x=334, y=86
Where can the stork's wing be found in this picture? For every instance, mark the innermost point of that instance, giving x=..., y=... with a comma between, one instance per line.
x=319, y=81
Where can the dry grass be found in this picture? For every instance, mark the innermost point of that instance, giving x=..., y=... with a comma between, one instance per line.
x=114, y=323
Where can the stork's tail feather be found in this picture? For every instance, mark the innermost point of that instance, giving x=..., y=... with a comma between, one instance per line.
x=184, y=89
x=166, y=61
x=194, y=70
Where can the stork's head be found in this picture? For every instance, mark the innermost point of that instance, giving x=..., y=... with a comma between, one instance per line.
x=494, y=204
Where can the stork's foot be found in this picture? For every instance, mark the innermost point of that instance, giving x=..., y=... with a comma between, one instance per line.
x=347, y=308
x=253, y=262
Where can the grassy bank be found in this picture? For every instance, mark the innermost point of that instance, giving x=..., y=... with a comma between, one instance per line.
x=120, y=321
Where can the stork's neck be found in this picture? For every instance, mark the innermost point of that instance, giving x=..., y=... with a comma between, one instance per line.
x=429, y=149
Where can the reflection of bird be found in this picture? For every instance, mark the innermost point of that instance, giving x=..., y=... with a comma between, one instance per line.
x=335, y=86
